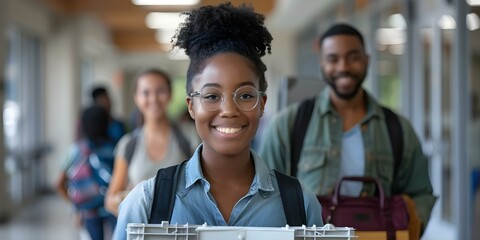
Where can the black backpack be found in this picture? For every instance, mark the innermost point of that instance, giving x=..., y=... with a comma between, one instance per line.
x=302, y=121
x=166, y=188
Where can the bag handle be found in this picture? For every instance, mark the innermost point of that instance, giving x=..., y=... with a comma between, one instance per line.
x=375, y=181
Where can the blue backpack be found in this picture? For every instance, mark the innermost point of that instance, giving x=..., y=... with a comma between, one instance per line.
x=89, y=175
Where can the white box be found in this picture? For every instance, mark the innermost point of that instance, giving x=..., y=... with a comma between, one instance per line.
x=166, y=231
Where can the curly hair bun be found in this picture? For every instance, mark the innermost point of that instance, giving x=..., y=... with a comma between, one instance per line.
x=209, y=30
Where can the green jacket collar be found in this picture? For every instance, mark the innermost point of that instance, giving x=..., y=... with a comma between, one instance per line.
x=373, y=107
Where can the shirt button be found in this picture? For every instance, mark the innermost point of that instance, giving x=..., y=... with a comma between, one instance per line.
x=333, y=152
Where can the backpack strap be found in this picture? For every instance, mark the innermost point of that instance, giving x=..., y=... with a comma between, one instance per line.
x=81, y=153
x=166, y=187
x=396, y=137
x=164, y=193
x=182, y=141
x=130, y=148
x=292, y=199
x=300, y=126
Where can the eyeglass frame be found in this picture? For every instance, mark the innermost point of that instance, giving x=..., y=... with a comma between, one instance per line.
x=259, y=94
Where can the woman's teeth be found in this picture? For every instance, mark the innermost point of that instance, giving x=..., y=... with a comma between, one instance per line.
x=228, y=130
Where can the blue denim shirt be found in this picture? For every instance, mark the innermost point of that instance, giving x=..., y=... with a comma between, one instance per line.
x=260, y=207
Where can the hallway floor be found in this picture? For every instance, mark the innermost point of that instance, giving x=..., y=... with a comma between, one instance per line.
x=48, y=218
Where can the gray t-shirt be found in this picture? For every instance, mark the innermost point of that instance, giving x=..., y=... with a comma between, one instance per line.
x=353, y=161
x=142, y=167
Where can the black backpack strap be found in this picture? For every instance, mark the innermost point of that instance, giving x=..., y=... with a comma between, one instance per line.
x=182, y=141
x=396, y=137
x=130, y=147
x=164, y=194
x=300, y=126
x=292, y=199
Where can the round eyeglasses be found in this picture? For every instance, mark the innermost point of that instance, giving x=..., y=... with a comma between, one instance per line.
x=246, y=98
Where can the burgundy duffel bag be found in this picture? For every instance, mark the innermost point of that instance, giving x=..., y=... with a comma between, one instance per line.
x=375, y=213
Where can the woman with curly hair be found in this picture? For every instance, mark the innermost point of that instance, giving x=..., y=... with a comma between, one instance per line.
x=224, y=183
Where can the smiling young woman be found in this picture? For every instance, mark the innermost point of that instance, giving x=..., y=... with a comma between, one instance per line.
x=224, y=183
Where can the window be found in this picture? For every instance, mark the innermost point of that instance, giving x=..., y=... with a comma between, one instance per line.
x=22, y=114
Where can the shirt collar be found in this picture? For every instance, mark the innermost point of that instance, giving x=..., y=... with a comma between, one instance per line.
x=263, y=176
x=193, y=169
x=373, y=108
x=262, y=180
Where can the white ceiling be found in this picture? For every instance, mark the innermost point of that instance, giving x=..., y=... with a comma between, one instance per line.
x=290, y=16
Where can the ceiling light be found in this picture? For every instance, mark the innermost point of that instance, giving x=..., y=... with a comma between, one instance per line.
x=165, y=2
x=156, y=20
x=447, y=22
x=164, y=36
x=473, y=22
x=391, y=36
x=473, y=2
x=397, y=21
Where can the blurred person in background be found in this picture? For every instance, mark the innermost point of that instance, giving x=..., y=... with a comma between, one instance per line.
x=158, y=143
x=84, y=179
x=100, y=97
x=347, y=134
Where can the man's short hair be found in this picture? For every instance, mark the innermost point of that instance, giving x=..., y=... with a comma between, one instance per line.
x=342, y=29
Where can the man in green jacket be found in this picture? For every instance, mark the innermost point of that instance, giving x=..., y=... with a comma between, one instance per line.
x=347, y=134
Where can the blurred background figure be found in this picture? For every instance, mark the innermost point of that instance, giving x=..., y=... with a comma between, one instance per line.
x=350, y=131
x=86, y=174
x=158, y=143
x=116, y=128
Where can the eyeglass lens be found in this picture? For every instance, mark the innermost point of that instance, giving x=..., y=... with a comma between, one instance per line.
x=246, y=98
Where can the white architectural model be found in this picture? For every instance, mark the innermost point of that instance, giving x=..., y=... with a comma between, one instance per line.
x=166, y=231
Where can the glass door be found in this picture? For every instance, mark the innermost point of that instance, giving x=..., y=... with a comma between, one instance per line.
x=437, y=64
x=22, y=116
x=439, y=54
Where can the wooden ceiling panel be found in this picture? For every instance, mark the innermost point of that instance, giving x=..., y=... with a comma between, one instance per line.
x=264, y=6
x=136, y=40
x=126, y=21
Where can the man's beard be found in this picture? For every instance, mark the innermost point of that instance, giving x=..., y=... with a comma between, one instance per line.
x=348, y=95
